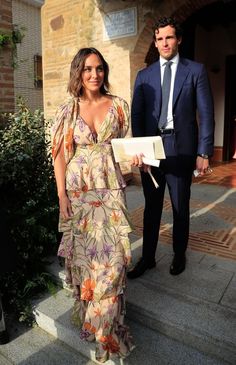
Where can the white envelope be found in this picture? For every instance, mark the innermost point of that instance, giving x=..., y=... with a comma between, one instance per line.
x=150, y=147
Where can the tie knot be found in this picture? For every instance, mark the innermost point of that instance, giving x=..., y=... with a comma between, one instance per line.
x=168, y=63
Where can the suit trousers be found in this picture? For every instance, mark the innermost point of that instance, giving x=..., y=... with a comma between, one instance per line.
x=175, y=172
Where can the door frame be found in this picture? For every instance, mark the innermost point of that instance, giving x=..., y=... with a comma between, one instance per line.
x=230, y=108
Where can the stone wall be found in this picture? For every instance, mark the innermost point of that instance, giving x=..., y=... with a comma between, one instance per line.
x=70, y=25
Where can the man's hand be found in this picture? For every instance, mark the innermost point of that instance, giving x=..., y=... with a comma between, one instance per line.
x=202, y=166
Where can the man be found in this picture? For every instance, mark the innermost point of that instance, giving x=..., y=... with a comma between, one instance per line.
x=166, y=104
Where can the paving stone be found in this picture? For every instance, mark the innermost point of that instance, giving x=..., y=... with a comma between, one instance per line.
x=33, y=346
x=134, y=197
x=219, y=263
x=229, y=297
x=196, y=280
x=212, y=222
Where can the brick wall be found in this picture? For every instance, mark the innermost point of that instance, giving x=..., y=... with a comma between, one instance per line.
x=6, y=70
x=20, y=81
x=27, y=15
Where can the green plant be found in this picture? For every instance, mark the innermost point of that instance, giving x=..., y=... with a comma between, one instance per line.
x=5, y=39
x=10, y=40
x=29, y=199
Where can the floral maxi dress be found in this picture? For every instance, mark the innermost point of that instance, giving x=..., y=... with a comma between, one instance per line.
x=95, y=241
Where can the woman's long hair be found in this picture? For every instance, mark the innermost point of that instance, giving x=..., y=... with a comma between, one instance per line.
x=75, y=86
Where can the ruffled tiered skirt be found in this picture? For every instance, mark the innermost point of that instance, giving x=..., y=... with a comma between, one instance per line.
x=96, y=249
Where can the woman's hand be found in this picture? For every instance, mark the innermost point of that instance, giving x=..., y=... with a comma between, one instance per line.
x=65, y=206
x=137, y=161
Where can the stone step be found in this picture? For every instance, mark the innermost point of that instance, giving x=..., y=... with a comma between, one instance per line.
x=53, y=316
x=202, y=325
x=34, y=346
x=196, y=307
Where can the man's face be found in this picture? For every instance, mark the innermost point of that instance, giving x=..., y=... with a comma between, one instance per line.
x=167, y=42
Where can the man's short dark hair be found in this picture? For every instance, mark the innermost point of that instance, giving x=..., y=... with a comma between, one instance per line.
x=164, y=22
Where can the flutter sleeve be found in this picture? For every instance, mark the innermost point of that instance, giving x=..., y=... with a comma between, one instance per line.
x=123, y=113
x=62, y=130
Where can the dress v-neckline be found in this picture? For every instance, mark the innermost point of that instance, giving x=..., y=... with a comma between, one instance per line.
x=95, y=133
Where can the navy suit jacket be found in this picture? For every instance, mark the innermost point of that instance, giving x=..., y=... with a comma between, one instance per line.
x=192, y=95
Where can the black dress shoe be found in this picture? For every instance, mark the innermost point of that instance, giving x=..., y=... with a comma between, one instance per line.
x=140, y=268
x=178, y=264
x=4, y=338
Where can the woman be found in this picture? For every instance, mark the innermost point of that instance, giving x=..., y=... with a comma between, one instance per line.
x=93, y=215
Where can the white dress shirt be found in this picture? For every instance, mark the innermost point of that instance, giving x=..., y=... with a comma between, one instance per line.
x=174, y=60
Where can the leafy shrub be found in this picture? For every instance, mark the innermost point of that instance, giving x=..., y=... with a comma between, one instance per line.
x=29, y=201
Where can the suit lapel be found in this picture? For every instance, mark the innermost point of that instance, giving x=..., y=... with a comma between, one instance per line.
x=156, y=81
x=181, y=75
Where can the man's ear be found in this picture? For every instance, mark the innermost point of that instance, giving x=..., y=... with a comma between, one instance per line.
x=179, y=40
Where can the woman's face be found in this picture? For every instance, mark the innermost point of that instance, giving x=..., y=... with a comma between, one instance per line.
x=93, y=74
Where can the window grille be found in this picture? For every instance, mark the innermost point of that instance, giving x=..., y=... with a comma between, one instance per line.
x=38, y=72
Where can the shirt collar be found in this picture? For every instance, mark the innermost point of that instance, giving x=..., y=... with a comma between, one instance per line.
x=175, y=60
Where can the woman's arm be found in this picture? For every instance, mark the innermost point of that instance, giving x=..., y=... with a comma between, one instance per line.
x=60, y=175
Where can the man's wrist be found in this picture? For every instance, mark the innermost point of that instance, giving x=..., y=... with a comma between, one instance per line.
x=203, y=155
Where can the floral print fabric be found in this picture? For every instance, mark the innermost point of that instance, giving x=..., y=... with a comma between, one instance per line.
x=95, y=241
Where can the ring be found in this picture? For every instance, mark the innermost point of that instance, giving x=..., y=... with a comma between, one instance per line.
x=208, y=170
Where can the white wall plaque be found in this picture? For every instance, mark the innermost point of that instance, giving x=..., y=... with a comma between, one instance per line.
x=119, y=24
